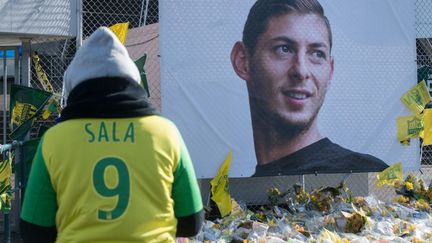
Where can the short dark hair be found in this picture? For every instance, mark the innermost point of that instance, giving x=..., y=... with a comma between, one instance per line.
x=263, y=10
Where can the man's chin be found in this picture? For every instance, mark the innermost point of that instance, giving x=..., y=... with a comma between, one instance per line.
x=291, y=126
x=294, y=119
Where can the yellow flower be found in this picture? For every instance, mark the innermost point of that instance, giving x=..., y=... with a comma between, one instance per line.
x=422, y=204
x=274, y=191
x=314, y=198
x=401, y=199
x=271, y=223
x=409, y=186
x=411, y=227
x=415, y=240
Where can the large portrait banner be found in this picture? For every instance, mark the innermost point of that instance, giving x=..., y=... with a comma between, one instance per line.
x=290, y=87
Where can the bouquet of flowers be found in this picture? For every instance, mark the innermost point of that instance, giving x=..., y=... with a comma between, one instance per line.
x=413, y=192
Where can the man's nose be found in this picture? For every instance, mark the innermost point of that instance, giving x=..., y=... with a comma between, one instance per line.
x=299, y=69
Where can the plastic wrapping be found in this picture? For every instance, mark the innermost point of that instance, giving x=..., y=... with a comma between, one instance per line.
x=325, y=216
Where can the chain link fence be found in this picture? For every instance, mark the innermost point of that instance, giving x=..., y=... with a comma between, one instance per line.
x=424, y=58
x=143, y=15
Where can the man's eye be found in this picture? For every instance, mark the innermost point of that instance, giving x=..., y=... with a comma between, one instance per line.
x=283, y=49
x=319, y=54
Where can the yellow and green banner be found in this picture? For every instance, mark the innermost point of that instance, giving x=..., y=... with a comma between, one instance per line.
x=40, y=73
x=5, y=185
x=47, y=86
x=390, y=175
x=25, y=104
x=427, y=133
x=220, y=187
x=416, y=98
x=409, y=127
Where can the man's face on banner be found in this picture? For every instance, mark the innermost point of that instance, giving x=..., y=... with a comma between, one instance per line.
x=291, y=69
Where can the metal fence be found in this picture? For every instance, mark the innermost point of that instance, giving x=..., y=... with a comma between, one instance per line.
x=424, y=57
x=55, y=56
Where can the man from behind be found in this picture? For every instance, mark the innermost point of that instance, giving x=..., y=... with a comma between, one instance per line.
x=112, y=170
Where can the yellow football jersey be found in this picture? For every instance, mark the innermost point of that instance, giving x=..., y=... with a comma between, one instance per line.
x=112, y=180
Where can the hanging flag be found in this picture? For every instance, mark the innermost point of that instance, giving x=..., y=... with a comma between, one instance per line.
x=5, y=170
x=416, y=98
x=22, y=168
x=5, y=184
x=427, y=131
x=5, y=201
x=25, y=104
x=220, y=187
x=409, y=127
x=390, y=175
x=40, y=73
x=140, y=62
x=120, y=30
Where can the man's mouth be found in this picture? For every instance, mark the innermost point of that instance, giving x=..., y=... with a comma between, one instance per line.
x=298, y=95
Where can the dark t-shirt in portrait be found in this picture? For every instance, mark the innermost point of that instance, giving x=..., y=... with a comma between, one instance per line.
x=323, y=156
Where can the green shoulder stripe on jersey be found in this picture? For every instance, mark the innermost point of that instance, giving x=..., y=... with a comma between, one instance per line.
x=185, y=191
x=40, y=204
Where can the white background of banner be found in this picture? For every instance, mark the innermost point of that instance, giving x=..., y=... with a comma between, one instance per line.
x=374, y=52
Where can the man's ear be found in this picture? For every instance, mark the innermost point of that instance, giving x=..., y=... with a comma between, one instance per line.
x=332, y=69
x=239, y=60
